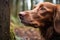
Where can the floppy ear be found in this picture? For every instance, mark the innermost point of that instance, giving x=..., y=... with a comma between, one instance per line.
x=57, y=20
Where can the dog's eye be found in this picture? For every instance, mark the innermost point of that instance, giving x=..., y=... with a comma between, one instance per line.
x=42, y=8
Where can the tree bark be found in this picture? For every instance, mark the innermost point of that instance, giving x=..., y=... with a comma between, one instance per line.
x=23, y=7
x=4, y=20
x=48, y=0
x=31, y=4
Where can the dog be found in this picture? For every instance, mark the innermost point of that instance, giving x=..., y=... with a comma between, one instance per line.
x=44, y=16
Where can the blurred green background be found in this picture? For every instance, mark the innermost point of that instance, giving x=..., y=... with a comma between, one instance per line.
x=20, y=5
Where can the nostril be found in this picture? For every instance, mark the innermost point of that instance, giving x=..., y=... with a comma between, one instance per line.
x=20, y=15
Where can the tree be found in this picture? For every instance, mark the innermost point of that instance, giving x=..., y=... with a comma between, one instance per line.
x=31, y=4
x=23, y=7
x=4, y=20
x=48, y=0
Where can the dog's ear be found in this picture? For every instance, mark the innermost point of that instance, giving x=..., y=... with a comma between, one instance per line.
x=57, y=19
x=54, y=11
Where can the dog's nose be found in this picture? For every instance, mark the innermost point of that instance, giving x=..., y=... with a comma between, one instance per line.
x=21, y=14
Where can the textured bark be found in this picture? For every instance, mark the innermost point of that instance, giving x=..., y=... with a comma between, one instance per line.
x=48, y=0
x=4, y=20
x=31, y=4
x=23, y=7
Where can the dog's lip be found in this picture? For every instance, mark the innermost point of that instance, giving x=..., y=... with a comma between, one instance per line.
x=24, y=22
x=28, y=24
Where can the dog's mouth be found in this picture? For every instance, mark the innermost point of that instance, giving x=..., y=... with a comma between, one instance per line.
x=27, y=23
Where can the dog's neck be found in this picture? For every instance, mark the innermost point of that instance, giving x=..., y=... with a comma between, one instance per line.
x=47, y=31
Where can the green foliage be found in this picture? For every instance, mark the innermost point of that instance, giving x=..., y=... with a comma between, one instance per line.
x=12, y=36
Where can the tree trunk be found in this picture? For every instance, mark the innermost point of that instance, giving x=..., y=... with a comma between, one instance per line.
x=48, y=0
x=23, y=7
x=57, y=1
x=4, y=20
x=31, y=4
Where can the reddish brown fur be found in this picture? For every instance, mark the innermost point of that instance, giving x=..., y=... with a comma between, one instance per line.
x=42, y=16
x=57, y=20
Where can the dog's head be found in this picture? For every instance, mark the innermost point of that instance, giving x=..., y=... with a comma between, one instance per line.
x=40, y=16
